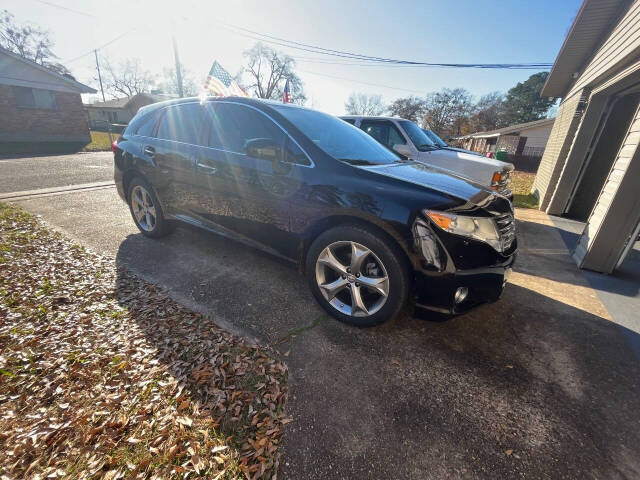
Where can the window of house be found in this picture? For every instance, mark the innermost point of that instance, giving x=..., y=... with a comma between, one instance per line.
x=34, y=98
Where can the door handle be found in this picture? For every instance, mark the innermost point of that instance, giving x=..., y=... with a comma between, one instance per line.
x=150, y=151
x=206, y=169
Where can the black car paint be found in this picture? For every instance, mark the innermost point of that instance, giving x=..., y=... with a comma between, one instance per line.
x=281, y=207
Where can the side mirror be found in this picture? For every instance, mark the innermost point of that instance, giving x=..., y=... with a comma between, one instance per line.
x=403, y=150
x=263, y=148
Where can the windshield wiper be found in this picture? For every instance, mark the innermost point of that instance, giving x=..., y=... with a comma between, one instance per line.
x=357, y=161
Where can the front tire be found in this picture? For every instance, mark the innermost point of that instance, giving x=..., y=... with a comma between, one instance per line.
x=146, y=210
x=357, y=276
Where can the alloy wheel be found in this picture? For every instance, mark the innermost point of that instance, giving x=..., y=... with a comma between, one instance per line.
x=352, y=278
x=143, y=208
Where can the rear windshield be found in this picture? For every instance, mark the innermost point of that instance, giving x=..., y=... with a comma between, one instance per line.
x=337, y=138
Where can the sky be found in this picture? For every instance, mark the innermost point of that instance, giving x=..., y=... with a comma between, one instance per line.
x=480, y=31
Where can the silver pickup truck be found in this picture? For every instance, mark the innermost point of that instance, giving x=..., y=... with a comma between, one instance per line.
x=409, y=140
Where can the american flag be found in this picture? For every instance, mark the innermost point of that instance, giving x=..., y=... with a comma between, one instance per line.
x=286, y=93
x=220, y=83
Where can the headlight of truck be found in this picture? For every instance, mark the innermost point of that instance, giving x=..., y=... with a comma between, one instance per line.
x=501, y=180
x=480, y=228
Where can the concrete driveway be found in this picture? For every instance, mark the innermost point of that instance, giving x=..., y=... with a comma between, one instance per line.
x=541, y=384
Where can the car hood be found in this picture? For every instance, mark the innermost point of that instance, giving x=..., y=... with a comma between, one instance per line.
x=456, y=149
x=434, y=178
x=472, y=157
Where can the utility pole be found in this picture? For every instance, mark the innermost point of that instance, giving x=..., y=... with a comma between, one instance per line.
x=102, y=91
x=178, y=70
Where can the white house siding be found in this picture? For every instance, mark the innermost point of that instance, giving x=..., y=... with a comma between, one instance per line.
x=557, y=147
x=21, y=74
x=605, y=202
x=537, y=137
x=621, y=47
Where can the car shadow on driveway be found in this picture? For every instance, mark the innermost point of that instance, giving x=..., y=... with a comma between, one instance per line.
x=527, y=386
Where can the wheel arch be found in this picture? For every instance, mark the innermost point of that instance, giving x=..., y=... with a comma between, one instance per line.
x=127, y=178
x=327, y=223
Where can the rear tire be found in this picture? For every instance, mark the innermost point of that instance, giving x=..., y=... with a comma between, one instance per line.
x=357, y=276
x=146, y=210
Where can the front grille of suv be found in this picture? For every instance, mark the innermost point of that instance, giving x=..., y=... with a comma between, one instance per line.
x=507, y=228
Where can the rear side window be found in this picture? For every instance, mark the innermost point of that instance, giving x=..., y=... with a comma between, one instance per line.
x=183, y=123
x=349, y=120
x=147, y=124
x=233, y=125
x=383, y=131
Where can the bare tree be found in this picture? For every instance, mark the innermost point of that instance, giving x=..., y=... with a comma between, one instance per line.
x=29, y=41
x=364, y=104
x=268, y=70
x=447, y=112
x=488, y=112
x=126, y=78
x=411, y=108
x=169, y=82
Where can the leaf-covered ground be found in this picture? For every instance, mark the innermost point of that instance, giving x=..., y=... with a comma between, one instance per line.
x=103, y=376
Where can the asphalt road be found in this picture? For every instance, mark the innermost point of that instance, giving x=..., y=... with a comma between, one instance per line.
x=30, y=173
x=541, y=384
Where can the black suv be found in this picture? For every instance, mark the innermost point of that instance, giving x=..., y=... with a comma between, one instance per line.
x=368, y=229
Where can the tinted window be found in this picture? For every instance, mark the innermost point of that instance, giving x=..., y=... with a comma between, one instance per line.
x=233, y=125
x=146, y=125
x=383, y=131
x=183, y=123
x=336, y=137
x=34, y=98
x=349, y=120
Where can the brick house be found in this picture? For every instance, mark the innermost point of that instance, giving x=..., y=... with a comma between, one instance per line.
x=39, y=108
x=119, y=111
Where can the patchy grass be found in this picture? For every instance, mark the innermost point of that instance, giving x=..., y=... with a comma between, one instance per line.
x=100, y=141
x=103, y=376
x=521, y=183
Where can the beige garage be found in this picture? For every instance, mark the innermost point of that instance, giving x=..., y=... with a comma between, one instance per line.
x=590, y=170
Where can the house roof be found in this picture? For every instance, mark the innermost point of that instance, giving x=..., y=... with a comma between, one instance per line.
x=592, y=24
x=511, y=129
x=80, y=87
x=125, y=101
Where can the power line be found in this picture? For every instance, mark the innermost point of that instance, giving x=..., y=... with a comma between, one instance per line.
x=331, y=52
x=356, y=56
x=358, y=81
x=100, y=47
x=62, y=7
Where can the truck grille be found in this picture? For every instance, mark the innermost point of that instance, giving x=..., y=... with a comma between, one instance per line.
x=507, y=228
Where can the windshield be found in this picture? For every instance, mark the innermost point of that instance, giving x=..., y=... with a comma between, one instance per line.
x=435, y=138
x=337, y=138
x=417, y=136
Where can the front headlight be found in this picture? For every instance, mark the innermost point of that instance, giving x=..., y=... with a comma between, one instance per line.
x=501, y=180
x=480, y=228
